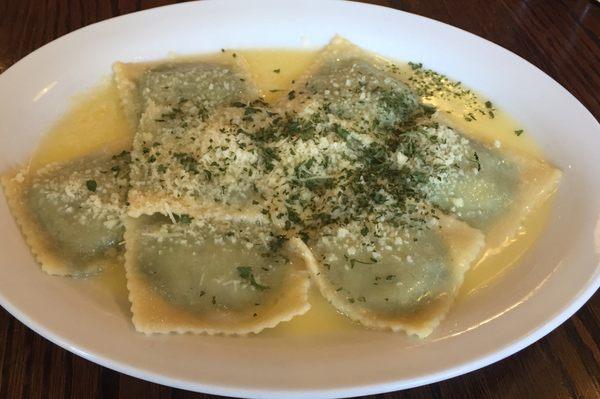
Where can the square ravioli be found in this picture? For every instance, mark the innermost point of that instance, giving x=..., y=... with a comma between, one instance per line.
x=70, y=214
x=355, y=89
x=363, y=99
x=172, y=104
x=404, y=280
x=215, y=276
x=492, y=189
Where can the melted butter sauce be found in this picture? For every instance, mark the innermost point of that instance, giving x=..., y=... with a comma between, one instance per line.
x=112, y=279
x=501, y=129
x=95, y=122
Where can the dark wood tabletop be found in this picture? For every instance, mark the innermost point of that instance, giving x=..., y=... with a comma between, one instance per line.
x=562, y=37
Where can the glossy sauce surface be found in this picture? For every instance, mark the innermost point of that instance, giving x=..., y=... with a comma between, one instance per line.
x=95, y=122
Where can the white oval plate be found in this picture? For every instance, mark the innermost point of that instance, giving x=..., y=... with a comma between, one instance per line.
x=557, y=276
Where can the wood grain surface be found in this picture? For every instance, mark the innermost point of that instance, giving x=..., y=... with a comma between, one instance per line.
x=561, y=37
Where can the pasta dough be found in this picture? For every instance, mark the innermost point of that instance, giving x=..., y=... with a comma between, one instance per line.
x=360, y=96
x=221, y=170
x=404, y=282
x=172, y=105
x=491, y=189
x=215, y=276
x=71, y=213
x=354, y=88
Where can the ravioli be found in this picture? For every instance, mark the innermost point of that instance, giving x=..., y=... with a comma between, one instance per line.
x=71, y=213
x=215, y=276
x=353, y=88
x=489, y=188
x=173, y=104
x=227, y=206
x=361, y=97
x=405, y=280
x=203, y=84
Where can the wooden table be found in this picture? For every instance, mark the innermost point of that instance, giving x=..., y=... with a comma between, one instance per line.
x=562, y=37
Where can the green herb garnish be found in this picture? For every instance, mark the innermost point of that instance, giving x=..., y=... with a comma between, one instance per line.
x=91, y=185
x=477, y=162
x=354, y=261
x=245, y=273
x=188, y=162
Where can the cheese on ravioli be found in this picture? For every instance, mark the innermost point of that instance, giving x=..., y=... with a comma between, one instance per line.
x=354, y=89
x=215, y=276
x=359, y=104
x=172, y=105
x=491, y=189
x=403, y=280
x=71, y=213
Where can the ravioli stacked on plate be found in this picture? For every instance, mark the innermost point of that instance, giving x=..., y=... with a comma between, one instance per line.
x=227, y=207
